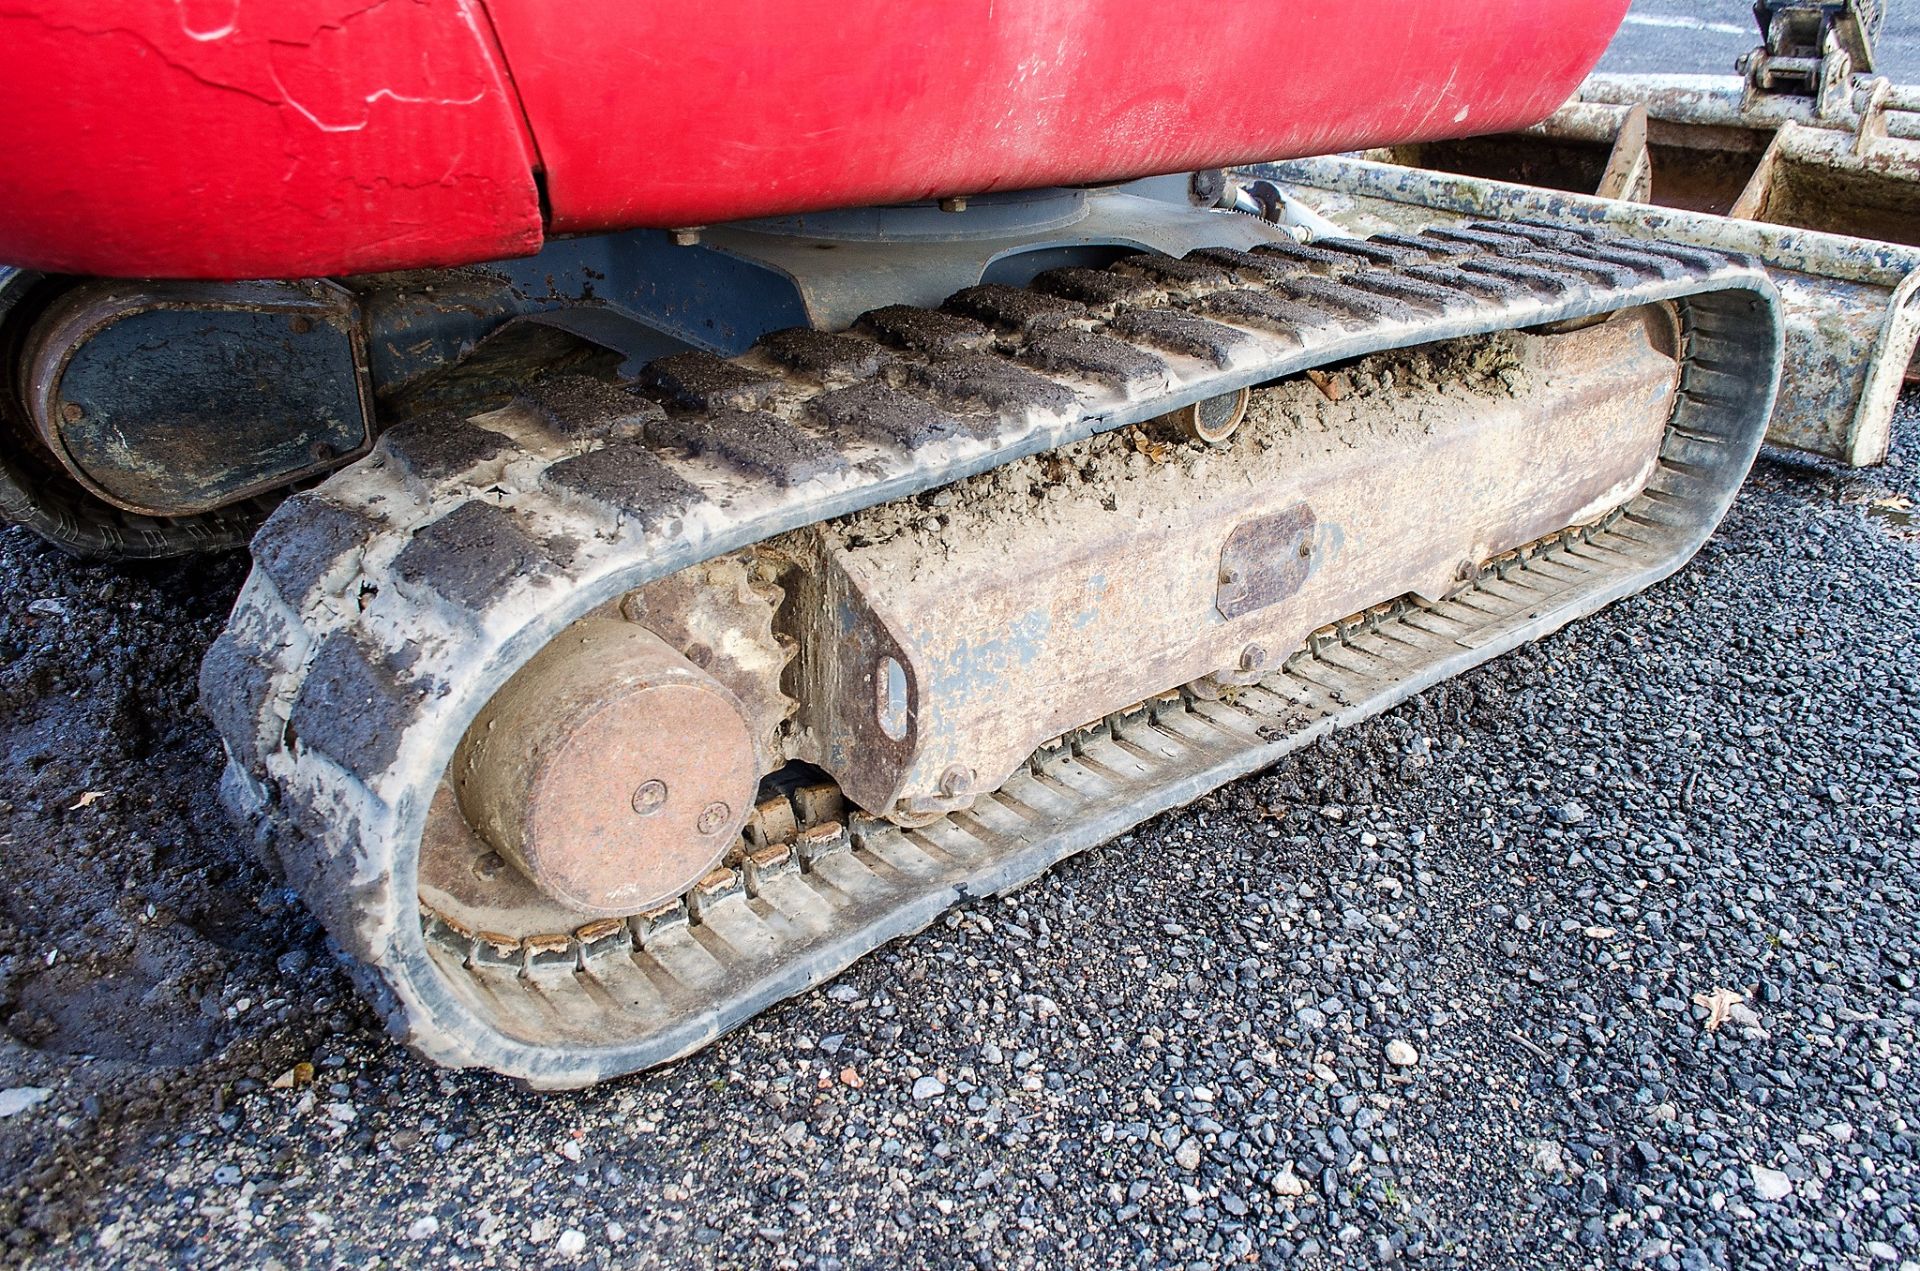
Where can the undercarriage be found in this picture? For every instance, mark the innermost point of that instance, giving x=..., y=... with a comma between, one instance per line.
x=594, y=721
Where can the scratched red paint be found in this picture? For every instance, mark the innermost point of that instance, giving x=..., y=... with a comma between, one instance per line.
x=265, y=139
x=222, y=138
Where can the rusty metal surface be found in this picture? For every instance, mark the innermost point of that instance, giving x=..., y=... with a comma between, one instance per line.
x=859, y=688
x=1014, y=623
x=1264, y=560
x=173, y=399
x=719, y=615
x=610, y=770
x=1851, y=306
x=473, y=889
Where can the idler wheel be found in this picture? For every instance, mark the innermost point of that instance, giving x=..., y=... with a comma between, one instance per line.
x=611, y=770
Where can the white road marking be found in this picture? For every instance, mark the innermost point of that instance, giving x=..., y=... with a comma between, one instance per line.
x=1691, y=24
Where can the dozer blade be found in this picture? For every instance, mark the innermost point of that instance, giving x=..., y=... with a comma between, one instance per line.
x=1822, y=186
x=946, y=581
x=1709, y=143
x=1851, y=306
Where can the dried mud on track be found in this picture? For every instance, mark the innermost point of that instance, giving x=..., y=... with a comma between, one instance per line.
x=1178, y=1048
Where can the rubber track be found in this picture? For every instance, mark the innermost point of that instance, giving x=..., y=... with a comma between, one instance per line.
x=387, y=605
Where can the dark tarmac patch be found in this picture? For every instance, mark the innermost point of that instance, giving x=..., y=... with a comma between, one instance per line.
x=133, y=921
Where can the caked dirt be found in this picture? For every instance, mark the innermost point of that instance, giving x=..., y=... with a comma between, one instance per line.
x=1135, y=469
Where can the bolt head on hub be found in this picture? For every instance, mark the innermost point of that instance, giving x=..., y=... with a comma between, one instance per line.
x=649, y=797
x=713, y=818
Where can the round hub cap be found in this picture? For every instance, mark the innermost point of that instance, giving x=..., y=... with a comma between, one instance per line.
x=612, y=771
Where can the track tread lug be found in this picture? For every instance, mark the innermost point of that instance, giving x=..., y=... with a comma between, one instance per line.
x=1247, y=266
x=472, y=555
x=1103, y=358
x=354, y=705
x=1348, y=293
x=1099, y=288
x=878, y=412
x=1314, y=258
x=1640, y=262
x=1188, y=334
x=433, y=448
x=993, y=385
x=582, y=407
x=305, y=539
x=825, y=354
x=1435, y=298
x=1273, y=314
x=628, y=477
x=236, y=685
x=1536, y=278
x=1556, y=238
x=1428, y=248
x=1603, y=272
x=1020, y=310
x=754, y=441
x=1176, y=271
x=1372, y=251
x=931, y=332
x=1457, y=278
x=703, y=381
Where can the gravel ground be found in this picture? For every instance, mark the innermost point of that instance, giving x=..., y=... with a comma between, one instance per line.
x=1431, y=989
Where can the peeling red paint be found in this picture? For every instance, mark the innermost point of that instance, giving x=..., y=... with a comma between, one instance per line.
x=219, y=138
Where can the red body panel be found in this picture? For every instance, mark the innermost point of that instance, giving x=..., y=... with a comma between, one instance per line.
x=669, y=114
x=277, y=138
x=212, y=138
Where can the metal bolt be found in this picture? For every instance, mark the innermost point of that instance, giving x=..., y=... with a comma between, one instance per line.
x=488, y=867
x=956, y=781
x=712, y=817
x=688, y=237
x=1208, y=188
x=73, y=412
x=1252, y=658
x=649, y=797
x=301, y=324
x=954, y=204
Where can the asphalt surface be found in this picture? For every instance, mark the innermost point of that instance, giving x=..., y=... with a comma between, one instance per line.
x=1440, y=990
x=1706, y=36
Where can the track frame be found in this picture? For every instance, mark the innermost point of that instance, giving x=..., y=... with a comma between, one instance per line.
x=389, y=604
